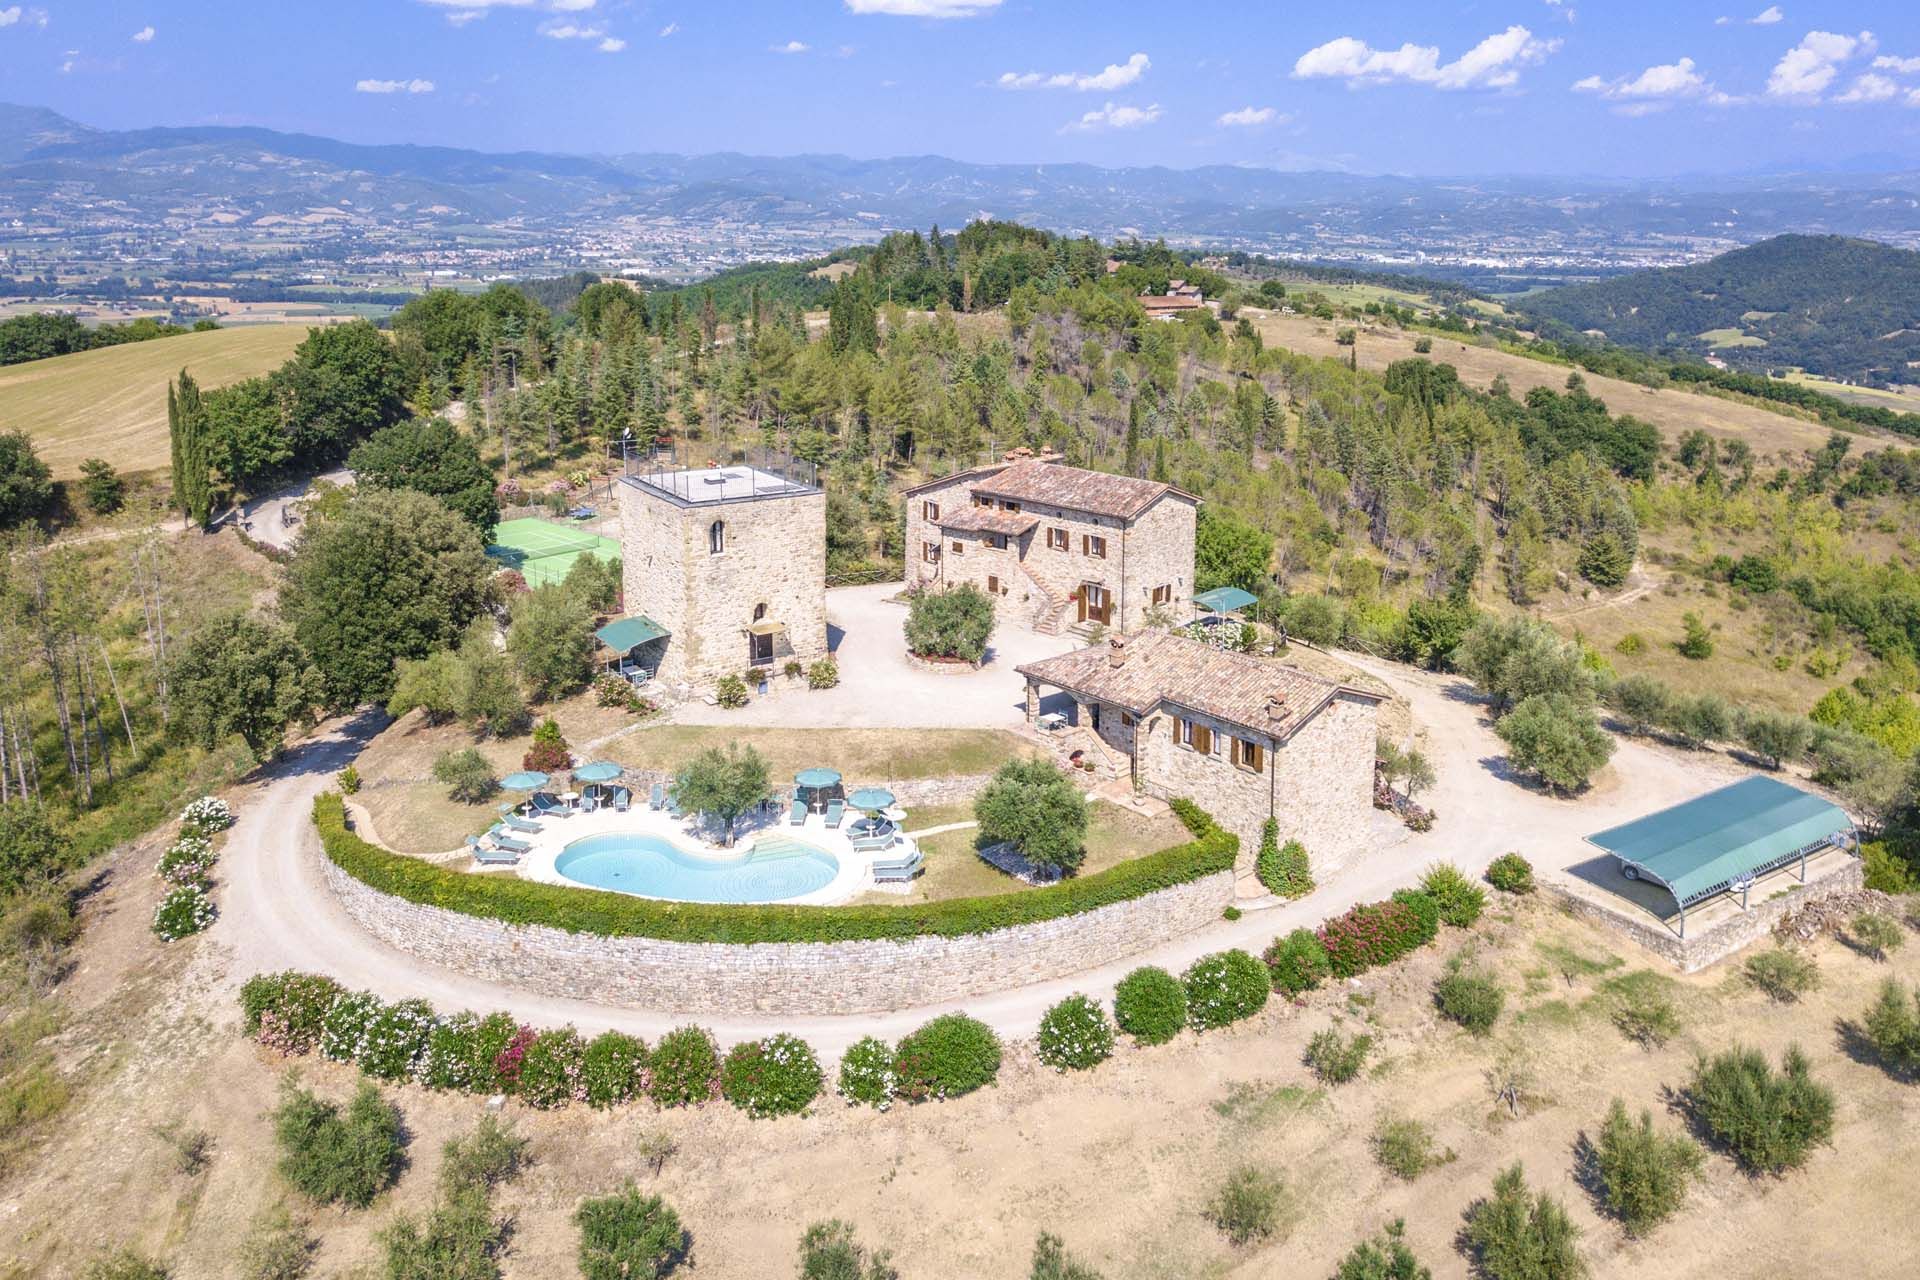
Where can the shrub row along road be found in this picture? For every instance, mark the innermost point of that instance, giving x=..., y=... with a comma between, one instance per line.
x=277, y=911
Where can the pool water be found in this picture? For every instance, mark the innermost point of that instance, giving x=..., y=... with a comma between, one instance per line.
x=774, y=869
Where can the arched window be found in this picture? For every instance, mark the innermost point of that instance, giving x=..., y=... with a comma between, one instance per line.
x=759, y=612
x=716, y=537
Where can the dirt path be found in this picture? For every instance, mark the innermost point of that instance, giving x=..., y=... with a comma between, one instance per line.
x=277, y=911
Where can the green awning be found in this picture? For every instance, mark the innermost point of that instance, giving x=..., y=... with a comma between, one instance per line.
x=1712, y=842
x=626, y=634
x=1225, y=600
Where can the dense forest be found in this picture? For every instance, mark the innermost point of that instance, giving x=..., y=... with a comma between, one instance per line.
x=1837, y=307
x=41, y=334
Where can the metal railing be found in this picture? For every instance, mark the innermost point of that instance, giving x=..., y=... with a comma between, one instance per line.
x=685, y=471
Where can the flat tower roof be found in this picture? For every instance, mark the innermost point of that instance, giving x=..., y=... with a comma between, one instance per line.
x=739, y=483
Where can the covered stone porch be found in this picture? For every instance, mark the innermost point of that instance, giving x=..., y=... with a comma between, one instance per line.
x=1076, y=727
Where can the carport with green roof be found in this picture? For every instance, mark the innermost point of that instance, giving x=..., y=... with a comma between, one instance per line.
x=1721, y=842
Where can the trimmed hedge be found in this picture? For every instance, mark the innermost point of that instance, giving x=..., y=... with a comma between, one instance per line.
x=592, y=911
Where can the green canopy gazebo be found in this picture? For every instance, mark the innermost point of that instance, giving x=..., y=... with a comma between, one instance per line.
x=1723, y=841
x=1222, y=600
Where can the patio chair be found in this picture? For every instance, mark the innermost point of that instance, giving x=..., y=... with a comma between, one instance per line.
x=503, y=841
x=514, y=822
x=621, y=799
x=799, y=816
x=658, y=796
x=549, y=806
x=836, y=810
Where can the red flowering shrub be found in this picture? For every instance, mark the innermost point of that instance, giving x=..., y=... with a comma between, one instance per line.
x=1370, y=935
x=512, y=582
x=510, y=1061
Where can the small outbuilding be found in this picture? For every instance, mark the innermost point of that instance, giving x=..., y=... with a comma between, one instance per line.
x=1723, y=841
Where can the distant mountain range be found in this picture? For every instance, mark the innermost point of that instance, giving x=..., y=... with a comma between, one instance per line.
x=1838, y=307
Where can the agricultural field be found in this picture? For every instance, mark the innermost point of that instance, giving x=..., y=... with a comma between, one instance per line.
x=112, y=403
x=1901, y=399
x=1731, y=338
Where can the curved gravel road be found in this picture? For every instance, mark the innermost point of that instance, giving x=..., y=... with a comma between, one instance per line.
x=278, y=913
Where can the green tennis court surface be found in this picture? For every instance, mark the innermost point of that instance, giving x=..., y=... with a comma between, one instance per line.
x=543, y=551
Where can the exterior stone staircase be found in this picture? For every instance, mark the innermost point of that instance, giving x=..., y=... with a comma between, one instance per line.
x=1050, y=614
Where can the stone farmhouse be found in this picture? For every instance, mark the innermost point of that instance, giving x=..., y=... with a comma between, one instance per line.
x=1057, y=546
x=726, y=568
x=1248, y=739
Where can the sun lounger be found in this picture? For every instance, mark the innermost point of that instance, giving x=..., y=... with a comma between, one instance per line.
x=488, y=856
x=548, y=806
x=621, y=799
x=658, y=796
x=503, y=841
x=904, y=864
x=673, y=807
x=799, y=816
x=836, y=810
x=514, y=822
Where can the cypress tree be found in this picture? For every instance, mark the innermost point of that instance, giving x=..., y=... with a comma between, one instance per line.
x=187, y=426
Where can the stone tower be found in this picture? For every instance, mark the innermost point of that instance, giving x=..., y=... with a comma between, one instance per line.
x=731, y=562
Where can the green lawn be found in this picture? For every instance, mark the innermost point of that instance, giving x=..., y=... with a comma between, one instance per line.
x=1731, y=338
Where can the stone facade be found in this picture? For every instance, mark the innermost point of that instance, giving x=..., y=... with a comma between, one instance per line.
x=779, y=978
x=1037, y=575
x=767, y=562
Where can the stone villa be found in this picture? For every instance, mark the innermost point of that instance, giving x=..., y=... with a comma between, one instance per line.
x=725, y=567
x=1057, y=546
x=1245, y=738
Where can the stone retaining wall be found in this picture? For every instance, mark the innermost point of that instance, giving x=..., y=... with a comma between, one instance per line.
x=1710, y=946
x=779, y=978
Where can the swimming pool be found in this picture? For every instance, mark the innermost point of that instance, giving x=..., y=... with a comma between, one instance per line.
x=774, y=869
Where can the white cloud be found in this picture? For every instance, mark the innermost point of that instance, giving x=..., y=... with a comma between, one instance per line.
x=1767, y=16
x=669, y=29
x=1494, y=63
x=14, y=15
x=792, y=46
x=1113, y=76
x=1870, y=88
x=143, y=36
x=461, y=17
x=1806, y=70
x=923, y=8
x=612, y=44
x=559, y=29
x=1651, y=90
x=1905, y=66
x=1248, y=118
x=478, y=4
x=393, y=86
x=570, y=6
x=1114, y=117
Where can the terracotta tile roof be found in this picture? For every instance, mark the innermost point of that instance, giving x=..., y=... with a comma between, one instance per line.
x=1160, y=666
x=1074, y=488
x=972, y=519
x=949, y=478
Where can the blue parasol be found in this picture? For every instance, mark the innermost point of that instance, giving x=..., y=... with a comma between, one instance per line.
x=872, y=799
x=598, y=771
x=527, y=780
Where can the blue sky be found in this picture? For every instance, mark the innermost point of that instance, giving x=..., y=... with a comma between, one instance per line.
x=1620, y=87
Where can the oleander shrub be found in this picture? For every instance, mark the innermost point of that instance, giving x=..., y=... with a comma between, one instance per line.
x=185, y=910
x=1246, y=1204
x=206, y=815
x=946, y=1057
x=1643, y=1172
x=776, y=1076
x=1511, y=873
x=393, y=1044
x=1297, y=963
x=685, y=1068
x=1515, y=1234
x=550, y=1073
x=1426, y=915
x=866, y=1073
x=1470, y=997
x=1150, y=1005
x=1337, y=1058
x=1892, y=1027
x=613, y=1070
x=629, y=1236
x=345, y=1024
x=1386, y=1256
x=1769, y=1120
x=448, y=1062
x=511, y=1060
x=1224, y=988
x=286, y=1010
x=337, y=1156
x=1783, y=975
x=1406, y=1148
x=1459, y=900
x=1374, y=934
x=493, y=1045
x=188, y=861
x=1075, y=1034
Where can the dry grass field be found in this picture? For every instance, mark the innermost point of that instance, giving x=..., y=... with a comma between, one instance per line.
x=1119, y=1161
x=112, y=403
x=1671, y=410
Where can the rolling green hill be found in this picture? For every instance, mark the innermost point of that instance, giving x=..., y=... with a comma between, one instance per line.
x=1840, y=308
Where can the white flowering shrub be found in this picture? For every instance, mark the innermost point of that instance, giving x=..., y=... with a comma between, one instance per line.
x=207, y=815
x=550, y=1072
x=393, y=1045
x=346, y=1024
x=1075, y=1034
x=1225, y=987
x=866, y=1074
x=185, y=910
x=189, y=862
x=777, y=1076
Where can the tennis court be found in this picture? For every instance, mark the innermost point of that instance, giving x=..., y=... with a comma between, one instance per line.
x=543, y=551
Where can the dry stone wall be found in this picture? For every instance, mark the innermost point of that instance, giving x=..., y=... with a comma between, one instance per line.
x=779, y=978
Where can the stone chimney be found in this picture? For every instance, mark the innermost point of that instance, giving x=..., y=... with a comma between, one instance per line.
x=1116, y=651
x=1277, y=706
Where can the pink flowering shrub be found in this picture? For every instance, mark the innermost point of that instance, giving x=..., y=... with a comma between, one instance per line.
x=1370, y=935
x=512, y=1059
x=550, y=1071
